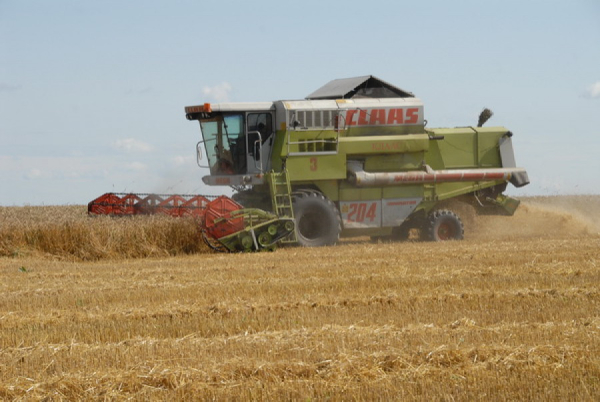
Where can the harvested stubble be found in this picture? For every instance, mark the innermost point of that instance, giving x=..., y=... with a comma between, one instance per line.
x=491, y=318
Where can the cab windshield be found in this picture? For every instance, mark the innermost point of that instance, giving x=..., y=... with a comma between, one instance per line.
x=223, y=135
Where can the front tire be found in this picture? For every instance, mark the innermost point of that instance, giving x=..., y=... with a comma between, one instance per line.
x=318, y=222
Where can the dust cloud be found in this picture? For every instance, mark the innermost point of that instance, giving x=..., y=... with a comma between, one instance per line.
x=542, y=217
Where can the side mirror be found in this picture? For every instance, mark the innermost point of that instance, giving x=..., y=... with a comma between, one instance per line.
x=199, y=152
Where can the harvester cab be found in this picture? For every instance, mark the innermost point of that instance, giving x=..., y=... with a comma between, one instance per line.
x=237, y=139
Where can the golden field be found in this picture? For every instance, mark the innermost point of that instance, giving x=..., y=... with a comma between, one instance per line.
x=139, y=309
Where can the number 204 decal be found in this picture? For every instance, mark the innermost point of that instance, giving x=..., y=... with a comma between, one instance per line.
x=361, y=214
x=377, y=213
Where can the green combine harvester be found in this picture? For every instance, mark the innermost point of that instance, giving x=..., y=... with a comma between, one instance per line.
x=352, y=159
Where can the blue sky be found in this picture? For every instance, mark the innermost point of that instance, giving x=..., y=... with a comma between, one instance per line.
x=92, y=93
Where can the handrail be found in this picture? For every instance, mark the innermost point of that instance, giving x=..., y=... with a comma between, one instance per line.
x=335, y=141
x=257, y=162
x=337, y=129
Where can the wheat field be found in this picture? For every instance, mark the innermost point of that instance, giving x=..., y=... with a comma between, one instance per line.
x=139, y=309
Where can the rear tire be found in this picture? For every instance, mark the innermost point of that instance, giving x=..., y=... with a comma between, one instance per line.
x=443, y=225
x=318, y=221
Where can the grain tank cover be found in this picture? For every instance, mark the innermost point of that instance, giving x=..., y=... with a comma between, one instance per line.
x=366, y=86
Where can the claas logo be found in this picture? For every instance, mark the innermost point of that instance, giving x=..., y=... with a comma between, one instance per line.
x=381, y=117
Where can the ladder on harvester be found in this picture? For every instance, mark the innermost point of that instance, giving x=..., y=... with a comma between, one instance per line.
x=281, y=197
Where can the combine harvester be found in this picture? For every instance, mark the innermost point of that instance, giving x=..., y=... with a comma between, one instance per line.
x=353, y=159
